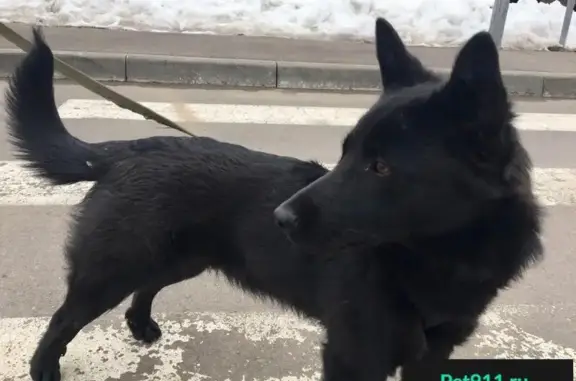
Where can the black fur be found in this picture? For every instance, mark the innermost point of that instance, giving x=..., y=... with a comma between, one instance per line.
x=397, y=251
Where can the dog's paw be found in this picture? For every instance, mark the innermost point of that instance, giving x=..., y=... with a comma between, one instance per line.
x=146, y=330
x=45, y=373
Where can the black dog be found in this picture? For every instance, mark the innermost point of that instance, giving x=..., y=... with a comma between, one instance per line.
x=397, y=251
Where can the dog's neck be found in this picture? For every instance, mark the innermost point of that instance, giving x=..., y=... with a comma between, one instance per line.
x=509, y=222
x=488, y=253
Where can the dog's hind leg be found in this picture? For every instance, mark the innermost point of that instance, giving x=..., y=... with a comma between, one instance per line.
x=104, y=268
x=139, y=314
x=84, y=302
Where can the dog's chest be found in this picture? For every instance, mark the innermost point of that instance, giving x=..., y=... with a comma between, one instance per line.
x=444, y=291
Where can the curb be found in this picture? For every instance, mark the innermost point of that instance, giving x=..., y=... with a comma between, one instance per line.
x=194, y=71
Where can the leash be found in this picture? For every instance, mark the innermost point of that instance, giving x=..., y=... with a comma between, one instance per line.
x=91, y=84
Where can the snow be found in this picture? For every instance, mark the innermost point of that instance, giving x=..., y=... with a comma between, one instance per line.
x=530, y=25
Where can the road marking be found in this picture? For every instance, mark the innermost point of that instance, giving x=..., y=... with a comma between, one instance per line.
x=553, y=186
x=515, y=343
x=202, y=346
x=269, y=114
x=546, y=122
x=216, y=113
x=198, y=346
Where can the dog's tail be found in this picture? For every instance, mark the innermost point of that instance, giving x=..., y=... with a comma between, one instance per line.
x=35, y=128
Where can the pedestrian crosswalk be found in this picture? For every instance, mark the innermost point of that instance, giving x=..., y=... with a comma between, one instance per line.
x=223, y=346
x=272, y=114
x=553, y=186
x=231, y=345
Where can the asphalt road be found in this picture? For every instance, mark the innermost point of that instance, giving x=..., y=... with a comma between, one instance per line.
x=213, y=332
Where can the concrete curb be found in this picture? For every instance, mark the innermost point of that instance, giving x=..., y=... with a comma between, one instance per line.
x=140, y=68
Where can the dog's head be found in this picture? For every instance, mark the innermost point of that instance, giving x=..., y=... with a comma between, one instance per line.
x=429, y=156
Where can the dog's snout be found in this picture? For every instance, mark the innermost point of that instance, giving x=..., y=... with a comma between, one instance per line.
x=285, y=217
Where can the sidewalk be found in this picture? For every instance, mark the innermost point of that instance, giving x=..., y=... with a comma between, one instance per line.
x=269, y=62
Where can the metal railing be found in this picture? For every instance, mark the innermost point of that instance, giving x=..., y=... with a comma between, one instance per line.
x=500, y=11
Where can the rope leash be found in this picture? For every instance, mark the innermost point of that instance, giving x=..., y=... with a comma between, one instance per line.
x=93, y=85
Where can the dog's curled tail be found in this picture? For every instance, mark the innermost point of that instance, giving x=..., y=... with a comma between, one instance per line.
x=35, y=127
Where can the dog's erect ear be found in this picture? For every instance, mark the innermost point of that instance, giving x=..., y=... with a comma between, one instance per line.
x=476, y=78
x=475, y=95
x=477, y=63
x=398, y=68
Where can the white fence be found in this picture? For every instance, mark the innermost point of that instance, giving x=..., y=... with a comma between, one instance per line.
x=500, y=11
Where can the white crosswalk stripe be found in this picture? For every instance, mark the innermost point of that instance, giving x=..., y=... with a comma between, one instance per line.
x=553, y=186
x=265, y=114
x=105, y=350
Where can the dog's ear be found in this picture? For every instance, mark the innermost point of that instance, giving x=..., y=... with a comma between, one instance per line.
x=398, y=68
x=476, y=101
x=475, y=87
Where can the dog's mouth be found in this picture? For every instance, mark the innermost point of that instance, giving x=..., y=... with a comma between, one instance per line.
x=310, y=232
x=332, y=242
x=303, y=240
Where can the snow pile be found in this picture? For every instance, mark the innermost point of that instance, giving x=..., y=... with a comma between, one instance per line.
x=530, y=25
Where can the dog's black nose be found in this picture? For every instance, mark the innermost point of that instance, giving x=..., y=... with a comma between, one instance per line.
x=285, y=217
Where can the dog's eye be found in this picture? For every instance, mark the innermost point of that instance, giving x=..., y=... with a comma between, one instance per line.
x=381, y=168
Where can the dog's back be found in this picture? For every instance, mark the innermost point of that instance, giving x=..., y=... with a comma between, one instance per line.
x=43, y=142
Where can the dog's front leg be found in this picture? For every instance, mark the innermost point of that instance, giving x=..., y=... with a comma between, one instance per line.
x=370, y=344
x=336, y=368
x=370, y=352
x=442, y=340
x=344, y=365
